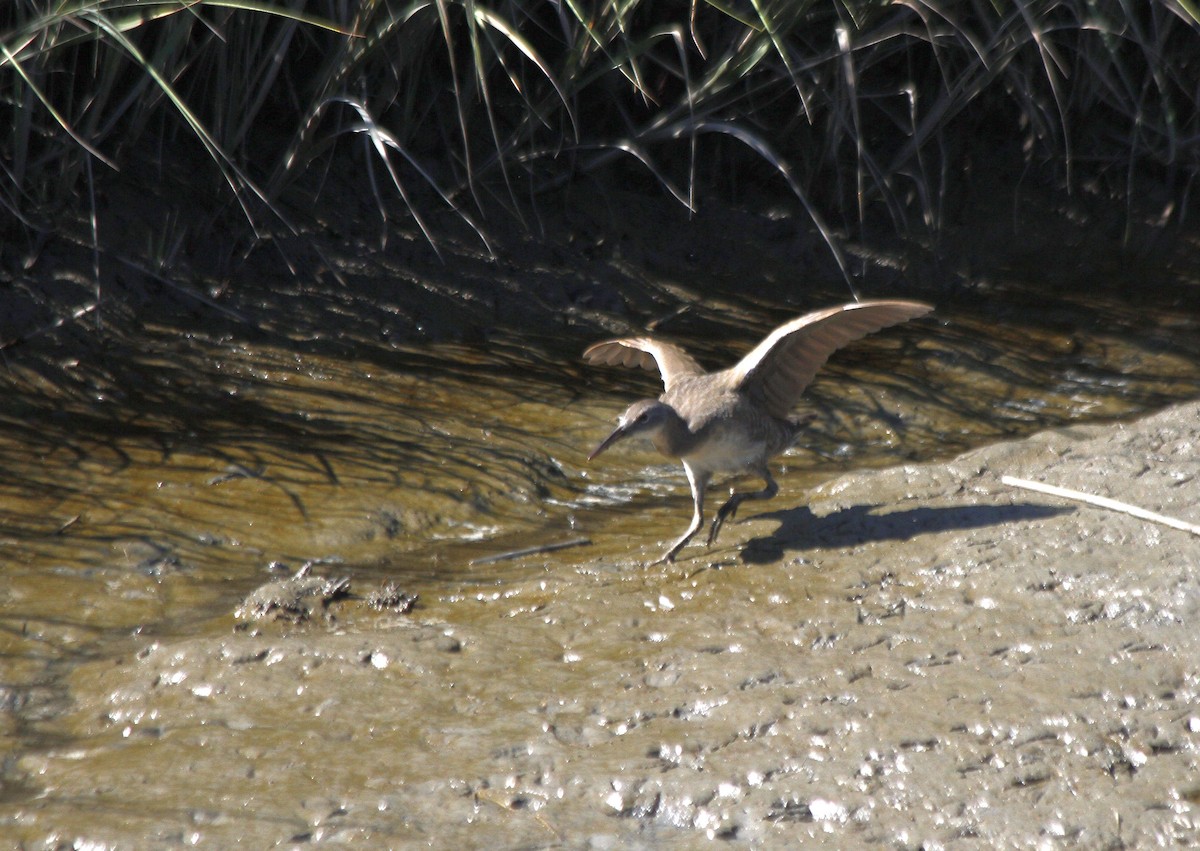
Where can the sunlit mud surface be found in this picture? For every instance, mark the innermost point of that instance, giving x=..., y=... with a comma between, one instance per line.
x=916, y=655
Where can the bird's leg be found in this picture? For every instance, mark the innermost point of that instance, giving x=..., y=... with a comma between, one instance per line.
x=698, y=481
x=729, y=509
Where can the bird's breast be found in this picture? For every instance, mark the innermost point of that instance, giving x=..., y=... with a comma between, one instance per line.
x=727, y=451
x=724, y=430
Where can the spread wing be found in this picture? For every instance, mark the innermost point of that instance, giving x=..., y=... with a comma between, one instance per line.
x=672, y=362
x=779, y=368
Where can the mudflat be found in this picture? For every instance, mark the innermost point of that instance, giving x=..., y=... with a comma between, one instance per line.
x=915, y=656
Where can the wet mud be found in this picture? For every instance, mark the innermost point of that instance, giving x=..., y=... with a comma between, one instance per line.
x=914, y=657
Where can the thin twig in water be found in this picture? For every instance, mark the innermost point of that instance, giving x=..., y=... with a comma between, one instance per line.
x=1102, y=502
x=57, y=323
x=528, y=551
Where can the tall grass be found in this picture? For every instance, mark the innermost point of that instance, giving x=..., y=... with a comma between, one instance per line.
x=859, y=109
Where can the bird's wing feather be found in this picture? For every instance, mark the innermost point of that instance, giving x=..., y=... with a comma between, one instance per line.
x=779, y=368
x=673, y=362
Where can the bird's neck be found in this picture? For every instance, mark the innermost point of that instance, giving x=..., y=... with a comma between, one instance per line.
x=674, y=439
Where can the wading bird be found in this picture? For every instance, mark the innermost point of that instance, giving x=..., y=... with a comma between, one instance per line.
x=735, y=420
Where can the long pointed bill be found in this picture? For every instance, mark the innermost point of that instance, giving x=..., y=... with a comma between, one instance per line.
x=617, y=434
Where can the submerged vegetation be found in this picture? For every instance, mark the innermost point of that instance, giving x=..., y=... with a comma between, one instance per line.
x=859, y=110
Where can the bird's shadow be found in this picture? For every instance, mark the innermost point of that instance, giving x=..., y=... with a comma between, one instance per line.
x=800, y=529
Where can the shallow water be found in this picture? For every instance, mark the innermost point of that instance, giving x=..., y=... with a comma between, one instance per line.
x=219, y=455
x=227, y=456
x=146, y=495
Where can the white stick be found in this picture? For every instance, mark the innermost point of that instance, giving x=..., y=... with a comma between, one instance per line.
x=1103, y=502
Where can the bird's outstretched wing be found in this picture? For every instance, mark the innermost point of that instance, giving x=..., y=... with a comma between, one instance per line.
x=672, y=362
x=779, y=368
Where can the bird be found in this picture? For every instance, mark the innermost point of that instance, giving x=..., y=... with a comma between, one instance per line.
x=737, y=419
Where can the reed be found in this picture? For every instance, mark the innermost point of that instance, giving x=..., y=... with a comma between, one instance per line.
x=859, y=109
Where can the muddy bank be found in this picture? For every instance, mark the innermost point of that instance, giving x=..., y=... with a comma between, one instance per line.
x=914, y=656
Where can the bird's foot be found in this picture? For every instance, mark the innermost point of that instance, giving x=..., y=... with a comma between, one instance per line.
x=669, y=556
x=726, y=511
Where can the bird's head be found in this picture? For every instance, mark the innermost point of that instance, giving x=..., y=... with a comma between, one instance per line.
x=646, y=418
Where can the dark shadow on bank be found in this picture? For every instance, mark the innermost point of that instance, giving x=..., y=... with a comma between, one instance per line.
x=800, y=529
